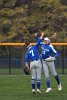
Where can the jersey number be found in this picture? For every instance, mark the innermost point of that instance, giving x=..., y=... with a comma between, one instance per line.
x=43, y=52
x=32, y=52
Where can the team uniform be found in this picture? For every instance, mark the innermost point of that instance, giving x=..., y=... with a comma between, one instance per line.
x=46, y=51
x=35, y=66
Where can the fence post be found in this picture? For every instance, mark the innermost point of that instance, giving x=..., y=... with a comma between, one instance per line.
x=9, y=60
x=62, y=59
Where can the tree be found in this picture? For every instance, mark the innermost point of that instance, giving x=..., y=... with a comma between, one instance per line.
x=21, y=18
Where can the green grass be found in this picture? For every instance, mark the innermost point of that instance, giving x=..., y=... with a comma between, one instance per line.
x=18, y=87
x=14, y=71
x=19, y=71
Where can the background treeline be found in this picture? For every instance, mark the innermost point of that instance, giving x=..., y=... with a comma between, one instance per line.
x=19, y=19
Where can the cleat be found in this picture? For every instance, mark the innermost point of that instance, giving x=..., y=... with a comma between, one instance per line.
x=38, y=91
x=33, y=91
x=59, y=87
x=48, y=90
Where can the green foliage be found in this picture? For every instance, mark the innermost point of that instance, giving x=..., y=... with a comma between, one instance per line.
x=25, y=17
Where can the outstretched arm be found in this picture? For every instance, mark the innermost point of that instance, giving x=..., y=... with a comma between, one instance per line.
x=36, y=36
x=42, y=34
x=40, y=39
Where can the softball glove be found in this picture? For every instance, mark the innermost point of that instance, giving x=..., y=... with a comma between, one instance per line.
x=26, y=70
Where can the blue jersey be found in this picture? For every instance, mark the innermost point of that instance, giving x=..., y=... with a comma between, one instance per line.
x=47, y=50
x=32, y=53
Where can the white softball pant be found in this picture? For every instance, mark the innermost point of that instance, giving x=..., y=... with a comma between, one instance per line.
x=47, y=66
x=36, y=69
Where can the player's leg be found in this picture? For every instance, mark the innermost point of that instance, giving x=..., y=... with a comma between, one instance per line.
x=51, y=66
x=54, y=73
x=38, y=71
x=33, y=77
x=46, y=72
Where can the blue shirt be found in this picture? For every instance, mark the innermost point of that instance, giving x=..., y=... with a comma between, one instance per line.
x=32, y=53
x=47, y=50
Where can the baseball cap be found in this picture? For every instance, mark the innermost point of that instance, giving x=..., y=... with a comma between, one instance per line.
x=47, y=39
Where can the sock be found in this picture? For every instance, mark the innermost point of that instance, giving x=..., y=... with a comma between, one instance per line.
x=33, y=83
x=48, y=82
x=57, y=79
x=38, y=84
x=33, y=86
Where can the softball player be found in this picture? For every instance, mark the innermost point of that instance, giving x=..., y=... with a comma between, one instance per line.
x=46, y=50
x=35, y=65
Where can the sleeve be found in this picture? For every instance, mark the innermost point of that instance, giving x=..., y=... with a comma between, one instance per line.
x=36, y=38
x=38, y=42
x=26, y=57
x=54, y=51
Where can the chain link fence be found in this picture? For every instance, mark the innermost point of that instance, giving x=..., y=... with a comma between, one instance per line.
x=12, y=59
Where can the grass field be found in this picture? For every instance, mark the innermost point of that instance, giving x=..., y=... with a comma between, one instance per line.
x=19, y=71
x=18, y=87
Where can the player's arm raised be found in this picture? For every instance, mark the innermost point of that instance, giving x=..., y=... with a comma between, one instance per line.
x=42, y=34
